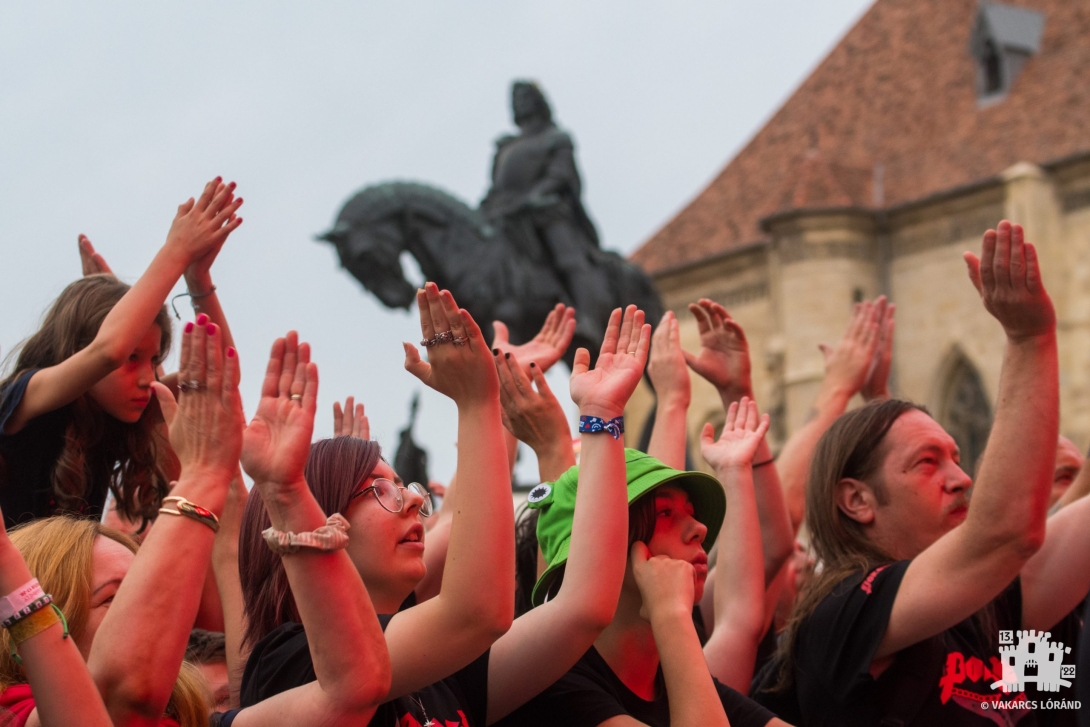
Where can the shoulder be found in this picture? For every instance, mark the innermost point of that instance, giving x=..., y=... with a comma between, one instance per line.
x=559, y=139
x=504, y=140
x=863, y=589
x=11, y=395
x=581, y=698
x=279, y=662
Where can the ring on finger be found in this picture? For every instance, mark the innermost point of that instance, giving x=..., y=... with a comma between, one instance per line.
x=191, y=385
x=296, y=397
x=460, y=341
x=443, y=337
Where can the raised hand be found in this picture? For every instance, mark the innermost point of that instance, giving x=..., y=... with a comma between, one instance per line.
x=742, y=434
x=604, y=390
x=847, y=365
x=352, y=422
x=666, y=367
x=276, y=443
x=534, y=417
x=201, y=226
x=724, y=353
x=206, y=422
x=667, y=585
x=460, y=367
x=877, y=384
x=548, y=346
x=92, y=262
x=1008, y=277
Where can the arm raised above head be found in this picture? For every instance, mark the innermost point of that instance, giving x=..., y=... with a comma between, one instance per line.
x=972, y=563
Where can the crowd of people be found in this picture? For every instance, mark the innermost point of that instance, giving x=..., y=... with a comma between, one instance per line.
x=857, y=576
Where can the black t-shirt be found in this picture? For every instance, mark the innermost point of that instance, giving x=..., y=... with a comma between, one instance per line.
x=281, y=661
x=836, y=645
x=591, y=693
x=27, y=459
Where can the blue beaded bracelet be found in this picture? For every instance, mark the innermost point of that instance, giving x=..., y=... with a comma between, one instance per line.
x=592, y=425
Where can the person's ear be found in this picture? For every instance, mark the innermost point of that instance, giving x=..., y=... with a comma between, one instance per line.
x=856, y=499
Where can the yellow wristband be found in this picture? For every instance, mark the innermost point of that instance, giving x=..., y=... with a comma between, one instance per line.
x=33, y=625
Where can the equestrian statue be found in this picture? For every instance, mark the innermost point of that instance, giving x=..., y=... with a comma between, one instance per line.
x=529, y=245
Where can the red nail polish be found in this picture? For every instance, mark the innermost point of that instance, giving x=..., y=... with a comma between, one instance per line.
x=202, y=319
x=189, y=327
x=211, y=329
x=230, y=352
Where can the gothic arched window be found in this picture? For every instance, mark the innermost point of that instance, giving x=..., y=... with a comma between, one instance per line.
x=965, y=412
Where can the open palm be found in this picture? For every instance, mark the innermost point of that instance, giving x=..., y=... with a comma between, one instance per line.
x=742, y=434
x=724, y=352
x=276, y=444
x=605, y=389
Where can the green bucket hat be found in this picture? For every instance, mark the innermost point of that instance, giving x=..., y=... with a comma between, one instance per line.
x=556, y=503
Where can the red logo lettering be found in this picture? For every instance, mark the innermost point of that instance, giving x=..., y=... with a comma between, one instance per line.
x=866, y=585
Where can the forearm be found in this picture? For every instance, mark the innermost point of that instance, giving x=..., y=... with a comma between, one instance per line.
x=207, y=302
x=346, y=642
x=668, y=436
x=229, y=585
x=793, y=464
x=166, y=577
x=693, y=697
x=1010, y=497
x=131, y=317
x=599, y=538
x=64, y=692
x=777, y=534
x=480, y=566
x=739, y=580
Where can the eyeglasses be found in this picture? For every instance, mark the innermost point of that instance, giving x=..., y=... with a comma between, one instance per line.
x=388, y=494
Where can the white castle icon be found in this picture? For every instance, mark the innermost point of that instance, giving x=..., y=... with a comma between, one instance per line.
x=1034, y=659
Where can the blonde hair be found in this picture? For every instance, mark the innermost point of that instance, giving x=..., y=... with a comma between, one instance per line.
x=60, y=553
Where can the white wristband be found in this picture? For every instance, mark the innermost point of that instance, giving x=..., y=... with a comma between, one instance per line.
x=20, y=598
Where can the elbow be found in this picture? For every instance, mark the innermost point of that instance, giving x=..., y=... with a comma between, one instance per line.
x=362, y=693
x=1029, y=542
x=108, y=354
x=136, y=696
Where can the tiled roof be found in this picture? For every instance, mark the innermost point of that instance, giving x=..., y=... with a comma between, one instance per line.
x=890, y=116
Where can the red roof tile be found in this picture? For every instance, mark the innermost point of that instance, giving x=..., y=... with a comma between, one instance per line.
x=890, y=116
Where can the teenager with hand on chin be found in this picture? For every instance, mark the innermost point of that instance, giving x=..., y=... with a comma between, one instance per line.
x=647, y=667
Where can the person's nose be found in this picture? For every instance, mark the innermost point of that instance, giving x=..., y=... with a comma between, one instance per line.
x=413, y=500
x=146, y=376
x=696, y=531
x=957, y=480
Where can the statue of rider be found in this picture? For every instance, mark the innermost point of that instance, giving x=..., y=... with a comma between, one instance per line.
x=535, y=201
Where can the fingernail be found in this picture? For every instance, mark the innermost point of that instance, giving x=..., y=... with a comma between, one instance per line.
x=495, y=352
x=533, y=365
x=202, y=319
x=189, y=327
x=230, y=352
x=507, y=355
x=211, y=329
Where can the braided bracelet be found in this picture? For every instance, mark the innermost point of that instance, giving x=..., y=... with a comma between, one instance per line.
x=331, y=536
x=593, y=425
x=192, y=511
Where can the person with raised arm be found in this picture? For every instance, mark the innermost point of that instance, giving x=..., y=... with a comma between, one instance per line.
x=860, y=362
x=647, y=667
x=131, y=612
x=75, y=420
x=723, y=360
x=915, y=579
x=56, y=688
x=673, y=392
x=456, y=658
x=350, y=667
x=739, y=575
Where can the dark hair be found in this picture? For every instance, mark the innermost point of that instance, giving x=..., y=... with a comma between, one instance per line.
x=541, y=104
x=134, y=460
x=206, y=647
x=334, y=470
x=641, y=526
x=853, y=447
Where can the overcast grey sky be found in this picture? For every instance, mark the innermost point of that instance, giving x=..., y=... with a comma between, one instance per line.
x=111, y=114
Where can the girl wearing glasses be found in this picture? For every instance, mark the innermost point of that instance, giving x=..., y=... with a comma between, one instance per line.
x=457, y=658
